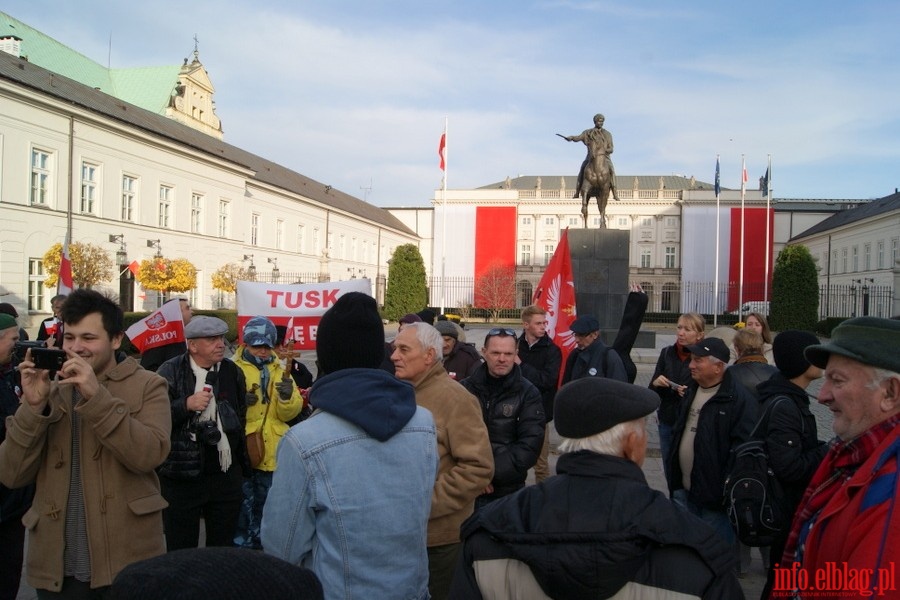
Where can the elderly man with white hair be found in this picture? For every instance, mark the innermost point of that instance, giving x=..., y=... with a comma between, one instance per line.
x=465, y=461
x=595, y=530
x=848, y=516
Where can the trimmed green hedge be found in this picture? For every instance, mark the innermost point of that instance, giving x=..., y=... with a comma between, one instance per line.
x=827, y=325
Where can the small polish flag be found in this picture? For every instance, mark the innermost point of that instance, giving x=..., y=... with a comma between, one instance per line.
x=289, y=332
x=134, y=267
x=163, y=326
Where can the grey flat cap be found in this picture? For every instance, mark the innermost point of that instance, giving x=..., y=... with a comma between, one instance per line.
x=203, y=326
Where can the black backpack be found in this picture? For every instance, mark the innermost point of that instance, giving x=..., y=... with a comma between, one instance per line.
x=754, y=498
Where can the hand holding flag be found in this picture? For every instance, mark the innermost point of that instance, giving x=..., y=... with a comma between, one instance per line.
x=163, y=326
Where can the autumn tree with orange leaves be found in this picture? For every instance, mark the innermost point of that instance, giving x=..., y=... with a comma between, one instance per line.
x=226, y=277
x=90, y=264
x=167, y=274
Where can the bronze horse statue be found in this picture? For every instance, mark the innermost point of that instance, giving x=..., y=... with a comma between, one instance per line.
x=597, y=183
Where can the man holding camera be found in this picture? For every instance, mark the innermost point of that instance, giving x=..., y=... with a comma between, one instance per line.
x=90, y=440
x=204, y=472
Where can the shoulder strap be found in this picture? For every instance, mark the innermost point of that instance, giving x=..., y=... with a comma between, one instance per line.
x=766, y=413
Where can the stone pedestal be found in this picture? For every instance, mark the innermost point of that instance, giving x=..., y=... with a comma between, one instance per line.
x=600, y=269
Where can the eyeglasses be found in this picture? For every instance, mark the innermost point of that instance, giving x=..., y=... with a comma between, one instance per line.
x=501, y=331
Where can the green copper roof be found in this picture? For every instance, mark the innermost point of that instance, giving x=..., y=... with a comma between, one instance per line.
x=147, y=87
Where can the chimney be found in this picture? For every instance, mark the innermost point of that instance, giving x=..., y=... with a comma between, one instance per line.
x=11, y=45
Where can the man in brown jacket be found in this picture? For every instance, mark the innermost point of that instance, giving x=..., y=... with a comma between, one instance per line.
x=466, y=463
x=90, y=440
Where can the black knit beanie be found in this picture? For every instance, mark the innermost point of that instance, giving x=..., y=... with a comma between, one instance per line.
x=350, y=334
x=215, y=573
x=787, y=349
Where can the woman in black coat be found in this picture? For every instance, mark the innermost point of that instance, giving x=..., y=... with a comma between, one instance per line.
x=673, y=375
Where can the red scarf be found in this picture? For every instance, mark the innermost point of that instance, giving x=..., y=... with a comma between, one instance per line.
x=838, y=466
x=682, y=352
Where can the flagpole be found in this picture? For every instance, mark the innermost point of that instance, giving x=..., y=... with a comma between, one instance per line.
x=716, y=283
x=741, y=279
x=444, y=223
x=768, y=201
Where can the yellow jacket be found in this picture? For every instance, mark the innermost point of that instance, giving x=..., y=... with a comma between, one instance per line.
x=279, y=412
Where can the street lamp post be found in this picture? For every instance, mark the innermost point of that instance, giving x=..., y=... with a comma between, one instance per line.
x=275, y=271
x=155, y=244
x=126, y=277
x=160, y=296
x=251, y=270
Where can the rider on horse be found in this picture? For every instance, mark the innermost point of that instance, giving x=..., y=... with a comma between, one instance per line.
x=599, y=140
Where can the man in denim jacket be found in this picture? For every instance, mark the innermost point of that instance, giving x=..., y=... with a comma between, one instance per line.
x=352, y=493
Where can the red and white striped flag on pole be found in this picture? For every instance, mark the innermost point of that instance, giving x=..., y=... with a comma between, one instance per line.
x=163, y=326
x=64, y=283
x=555, y=293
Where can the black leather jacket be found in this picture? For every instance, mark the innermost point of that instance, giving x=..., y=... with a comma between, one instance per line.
x=188, y=459
x=514, y=415
x=750, y=371
x=540, y=365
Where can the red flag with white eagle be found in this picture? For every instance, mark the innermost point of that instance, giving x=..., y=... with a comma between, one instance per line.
x=64, y=283
x=163, y=326
x=555, y=293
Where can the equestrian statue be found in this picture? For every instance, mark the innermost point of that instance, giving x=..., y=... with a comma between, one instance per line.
x=597, y=176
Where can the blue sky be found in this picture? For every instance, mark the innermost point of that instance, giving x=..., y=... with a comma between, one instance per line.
x=354, y=93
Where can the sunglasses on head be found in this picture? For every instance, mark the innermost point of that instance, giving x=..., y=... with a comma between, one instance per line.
x=501, y=331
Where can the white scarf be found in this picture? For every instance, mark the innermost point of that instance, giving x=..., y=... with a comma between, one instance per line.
x=210, y=413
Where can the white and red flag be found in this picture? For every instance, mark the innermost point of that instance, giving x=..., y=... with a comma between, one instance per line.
x=555, y=293
x=163, y=326
x=64, y=283
x=289, y=332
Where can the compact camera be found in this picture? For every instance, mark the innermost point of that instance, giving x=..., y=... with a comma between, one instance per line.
x=51, y=359
x=205, y=432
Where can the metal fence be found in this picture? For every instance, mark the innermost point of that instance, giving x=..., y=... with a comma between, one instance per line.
x=667, y=302
x=457, y=295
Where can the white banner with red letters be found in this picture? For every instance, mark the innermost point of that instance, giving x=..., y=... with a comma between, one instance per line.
x=163, y=326
x=298, y=306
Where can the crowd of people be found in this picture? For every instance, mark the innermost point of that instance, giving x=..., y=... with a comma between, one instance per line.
x=399, y=470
